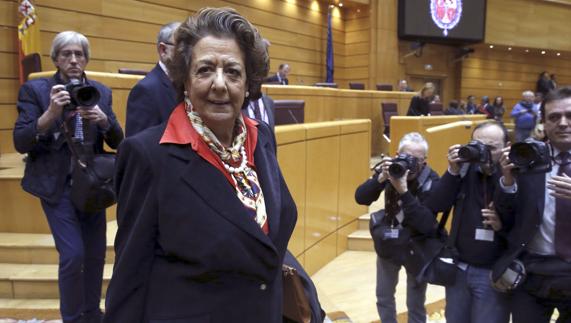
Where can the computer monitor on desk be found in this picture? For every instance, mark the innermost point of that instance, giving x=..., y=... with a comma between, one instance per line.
x=289, y=111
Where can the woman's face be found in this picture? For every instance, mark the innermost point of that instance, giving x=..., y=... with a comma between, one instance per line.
x=499, y=100
x=216, y=83
x=428, y=93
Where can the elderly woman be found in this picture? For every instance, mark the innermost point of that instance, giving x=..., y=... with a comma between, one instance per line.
x=79, y=236
x=204, y=213
x=420, y=104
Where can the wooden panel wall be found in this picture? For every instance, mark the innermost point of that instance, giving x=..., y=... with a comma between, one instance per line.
x=315, y=159
x=122, y=33
x=499, y=72
x=326, y=104
x=357, y=48
x=528, y=23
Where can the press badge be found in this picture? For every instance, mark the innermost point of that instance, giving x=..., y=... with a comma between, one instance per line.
x=390, y=233
x=484, y=234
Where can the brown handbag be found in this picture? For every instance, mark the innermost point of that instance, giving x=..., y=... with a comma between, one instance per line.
x=295, y=303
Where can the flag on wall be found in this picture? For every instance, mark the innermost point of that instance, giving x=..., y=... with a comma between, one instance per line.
x=28, y=32
x=329, y=63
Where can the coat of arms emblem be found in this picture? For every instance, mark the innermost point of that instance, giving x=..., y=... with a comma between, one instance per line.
x=446, y=14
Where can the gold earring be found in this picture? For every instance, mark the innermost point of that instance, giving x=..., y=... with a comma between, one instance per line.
x=187, y=100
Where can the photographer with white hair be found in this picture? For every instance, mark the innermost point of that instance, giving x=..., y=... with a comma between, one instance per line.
x=407, y=181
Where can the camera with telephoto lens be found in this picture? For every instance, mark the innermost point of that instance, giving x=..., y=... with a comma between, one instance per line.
x=531, y=156
x=401, y=164
x=475, y=152
x=82, y=95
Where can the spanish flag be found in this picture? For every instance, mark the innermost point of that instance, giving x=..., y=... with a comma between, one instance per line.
x=28, y=32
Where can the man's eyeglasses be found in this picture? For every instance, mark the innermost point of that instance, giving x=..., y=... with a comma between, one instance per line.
x=67, y=54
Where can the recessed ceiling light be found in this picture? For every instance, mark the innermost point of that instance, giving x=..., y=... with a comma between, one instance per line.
x=542, y=52
x=527, y=50
x=558, y=54
x=491, y=46
x=509, y=48
x=340, y=5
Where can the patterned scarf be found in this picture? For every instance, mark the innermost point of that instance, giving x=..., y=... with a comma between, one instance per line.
x=245, y=182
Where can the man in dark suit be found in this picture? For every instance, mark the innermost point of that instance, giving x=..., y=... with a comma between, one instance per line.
x=152, y=100
x=469, y=187
x=281, y=75
x=262, y=110
x=536, y=210
x=406, y=217
x=44, y=105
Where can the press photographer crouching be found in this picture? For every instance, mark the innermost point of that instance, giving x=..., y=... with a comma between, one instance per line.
x=52, y=113
x=468, y=186
x=407, y=181
x=535, y=204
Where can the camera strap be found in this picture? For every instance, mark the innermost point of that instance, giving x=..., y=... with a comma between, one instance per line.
x=71, y=143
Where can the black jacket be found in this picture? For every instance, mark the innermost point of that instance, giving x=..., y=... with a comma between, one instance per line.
x=418, y=107
x=49, y=159
x=186, y=248
x=466, y=195
x=521, y=214
x=150, y=102
x=418, y=220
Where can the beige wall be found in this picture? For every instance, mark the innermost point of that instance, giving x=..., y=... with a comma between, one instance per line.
x=499, y=72
x=528, y=23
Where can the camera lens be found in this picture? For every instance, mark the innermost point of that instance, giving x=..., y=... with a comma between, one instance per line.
x=398, y=168
x=468, y=153
x=85, y=96
x=522, y=154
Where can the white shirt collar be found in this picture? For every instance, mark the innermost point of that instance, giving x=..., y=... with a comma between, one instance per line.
x=164, y=68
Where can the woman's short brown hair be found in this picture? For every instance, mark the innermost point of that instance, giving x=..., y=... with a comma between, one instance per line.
x=222, y=23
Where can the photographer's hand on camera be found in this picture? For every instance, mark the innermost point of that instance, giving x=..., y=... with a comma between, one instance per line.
x=454, y=160
x=59, y=98
x=400, y=184
x=560, y=186
x=507, y=168
x=94, y=114
x=383, y=169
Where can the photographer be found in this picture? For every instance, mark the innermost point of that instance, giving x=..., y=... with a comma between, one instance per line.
x=468, y=186
x=404, y=217
x=524, y=114
x=535, y=203
x=44, y=105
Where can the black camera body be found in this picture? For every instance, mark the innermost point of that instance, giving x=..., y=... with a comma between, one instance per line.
x=82, y=95
x=401, y=164
x=475, y=152
x=531, y=156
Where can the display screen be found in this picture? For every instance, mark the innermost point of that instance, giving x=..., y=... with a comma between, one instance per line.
x=443, y=21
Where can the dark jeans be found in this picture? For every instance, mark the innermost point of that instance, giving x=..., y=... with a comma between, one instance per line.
x=387, y=279
x=473, y=300
x=530, y=309
x=80, y=241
